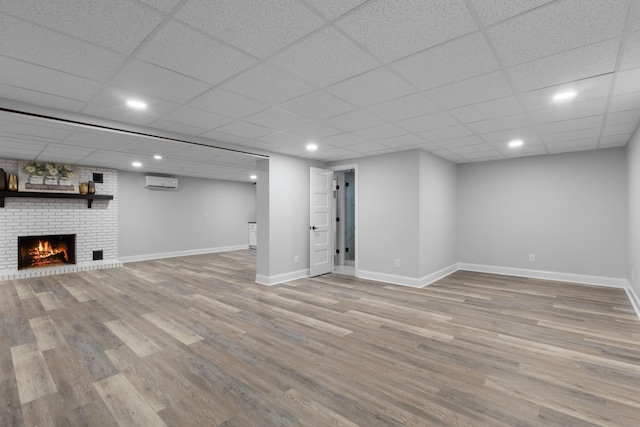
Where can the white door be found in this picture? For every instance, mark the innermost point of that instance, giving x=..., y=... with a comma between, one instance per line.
x=320, y=246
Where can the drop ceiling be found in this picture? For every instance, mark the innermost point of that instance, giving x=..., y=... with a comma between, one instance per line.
x=457, y=78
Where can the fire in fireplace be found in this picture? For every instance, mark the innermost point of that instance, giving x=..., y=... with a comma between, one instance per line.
x=46, y=251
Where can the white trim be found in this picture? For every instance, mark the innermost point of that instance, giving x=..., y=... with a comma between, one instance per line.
x=63, y=269
x=633, y=297
x=261, y=279
x=162, y=255
x=610, y=282
x=408, y=281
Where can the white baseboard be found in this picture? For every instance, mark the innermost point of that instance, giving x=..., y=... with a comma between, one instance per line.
x=633, y=297
x=63, y=269
x=261, y=279
x=162, y=255
x=610, y=282
x=408, y=281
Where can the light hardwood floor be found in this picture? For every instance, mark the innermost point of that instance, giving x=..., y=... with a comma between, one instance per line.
x=194, y=342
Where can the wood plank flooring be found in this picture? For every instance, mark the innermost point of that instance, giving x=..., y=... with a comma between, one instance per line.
x=194, y=342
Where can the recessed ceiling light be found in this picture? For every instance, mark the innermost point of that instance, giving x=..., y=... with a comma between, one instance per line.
x=136, y=164
x=564, y=96
x=157, y=156
x=254, y=177
x=312, y=146
x=516, y=143
x=136, y=104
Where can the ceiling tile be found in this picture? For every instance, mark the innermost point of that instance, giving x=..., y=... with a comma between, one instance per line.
x=41, y=46
x=354, y=120
x=402, y=141
x=116, y=99
x=622, y=129
x=428, y=122
x=63, y=153
x=360, y=90
x=227, y=103
x=450, y=62
x=332, y=9
x=624, y=102
x=631, y=53
x=612, y=141
x=268, y=85
x=33, y=77
x=584, y=134
x=100, y=140
x=448, y=155
x=628, y=116
x=557, y=28
x=492, y=11
x=244, y=129
x=342, y=140
x=405, y=107
x=476, y=89
x=117, y=24
x=569, y=111
x=487, y=110
x=500, y=123
x=216, y=135
x=317, y=105
x=324, y=58
x=153, y=80
x=529, y=149
x=571, y=125
x=25, y=150
x=163, y=5
x=627, y=81
x=335, y=154
x=526, y=134
x=187, y=51
x=313, y=131
x=276, y=118
x=279, y=139
x=117, y=114
x=386, y=130
x=368, y=148
x=445, y=133
x=40, y=98
x=588, y=61
x=573, y=145
x=393, y=29
x=462, y=142
x=260, y=28
x=586, y=89
x=194, y=117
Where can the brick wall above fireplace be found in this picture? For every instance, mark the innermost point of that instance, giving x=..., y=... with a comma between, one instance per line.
x=96, y=229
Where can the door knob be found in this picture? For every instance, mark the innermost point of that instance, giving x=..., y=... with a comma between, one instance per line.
x=313, y=227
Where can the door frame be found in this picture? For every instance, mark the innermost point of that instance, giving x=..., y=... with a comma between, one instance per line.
x=348, y=167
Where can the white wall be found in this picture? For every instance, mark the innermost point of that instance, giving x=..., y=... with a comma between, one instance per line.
x=633, y=178
x=285, y=213
x=569, y=210
x=203, y=215
x=438, y=216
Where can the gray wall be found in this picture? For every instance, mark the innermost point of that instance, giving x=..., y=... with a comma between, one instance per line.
x=438, y=214
x=285, y=211
x=388, y=213
x=633, y=174
x=201, y=214
x=570, y=210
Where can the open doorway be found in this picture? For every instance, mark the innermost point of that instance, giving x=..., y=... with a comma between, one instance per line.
x=345, y=220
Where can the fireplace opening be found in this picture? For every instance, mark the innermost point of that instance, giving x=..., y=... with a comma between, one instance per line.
x=46, y=251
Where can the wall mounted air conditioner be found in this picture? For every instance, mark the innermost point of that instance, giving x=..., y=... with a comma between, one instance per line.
x=161, y=182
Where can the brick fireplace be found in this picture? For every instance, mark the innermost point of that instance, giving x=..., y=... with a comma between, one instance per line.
x=95, y=229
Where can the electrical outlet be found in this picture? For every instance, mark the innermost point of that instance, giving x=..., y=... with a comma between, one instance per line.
x=397, y=263
x=532, y=257
x=296, y=259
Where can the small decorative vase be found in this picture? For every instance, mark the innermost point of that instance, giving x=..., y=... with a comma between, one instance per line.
x=92, y=187
x=13, y=183
x=83, y=188
x=3, y=180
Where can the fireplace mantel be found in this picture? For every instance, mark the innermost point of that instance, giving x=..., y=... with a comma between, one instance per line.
x=45, y=195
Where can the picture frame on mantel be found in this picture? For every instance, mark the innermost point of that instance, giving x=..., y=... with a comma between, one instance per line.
x=47, y=177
